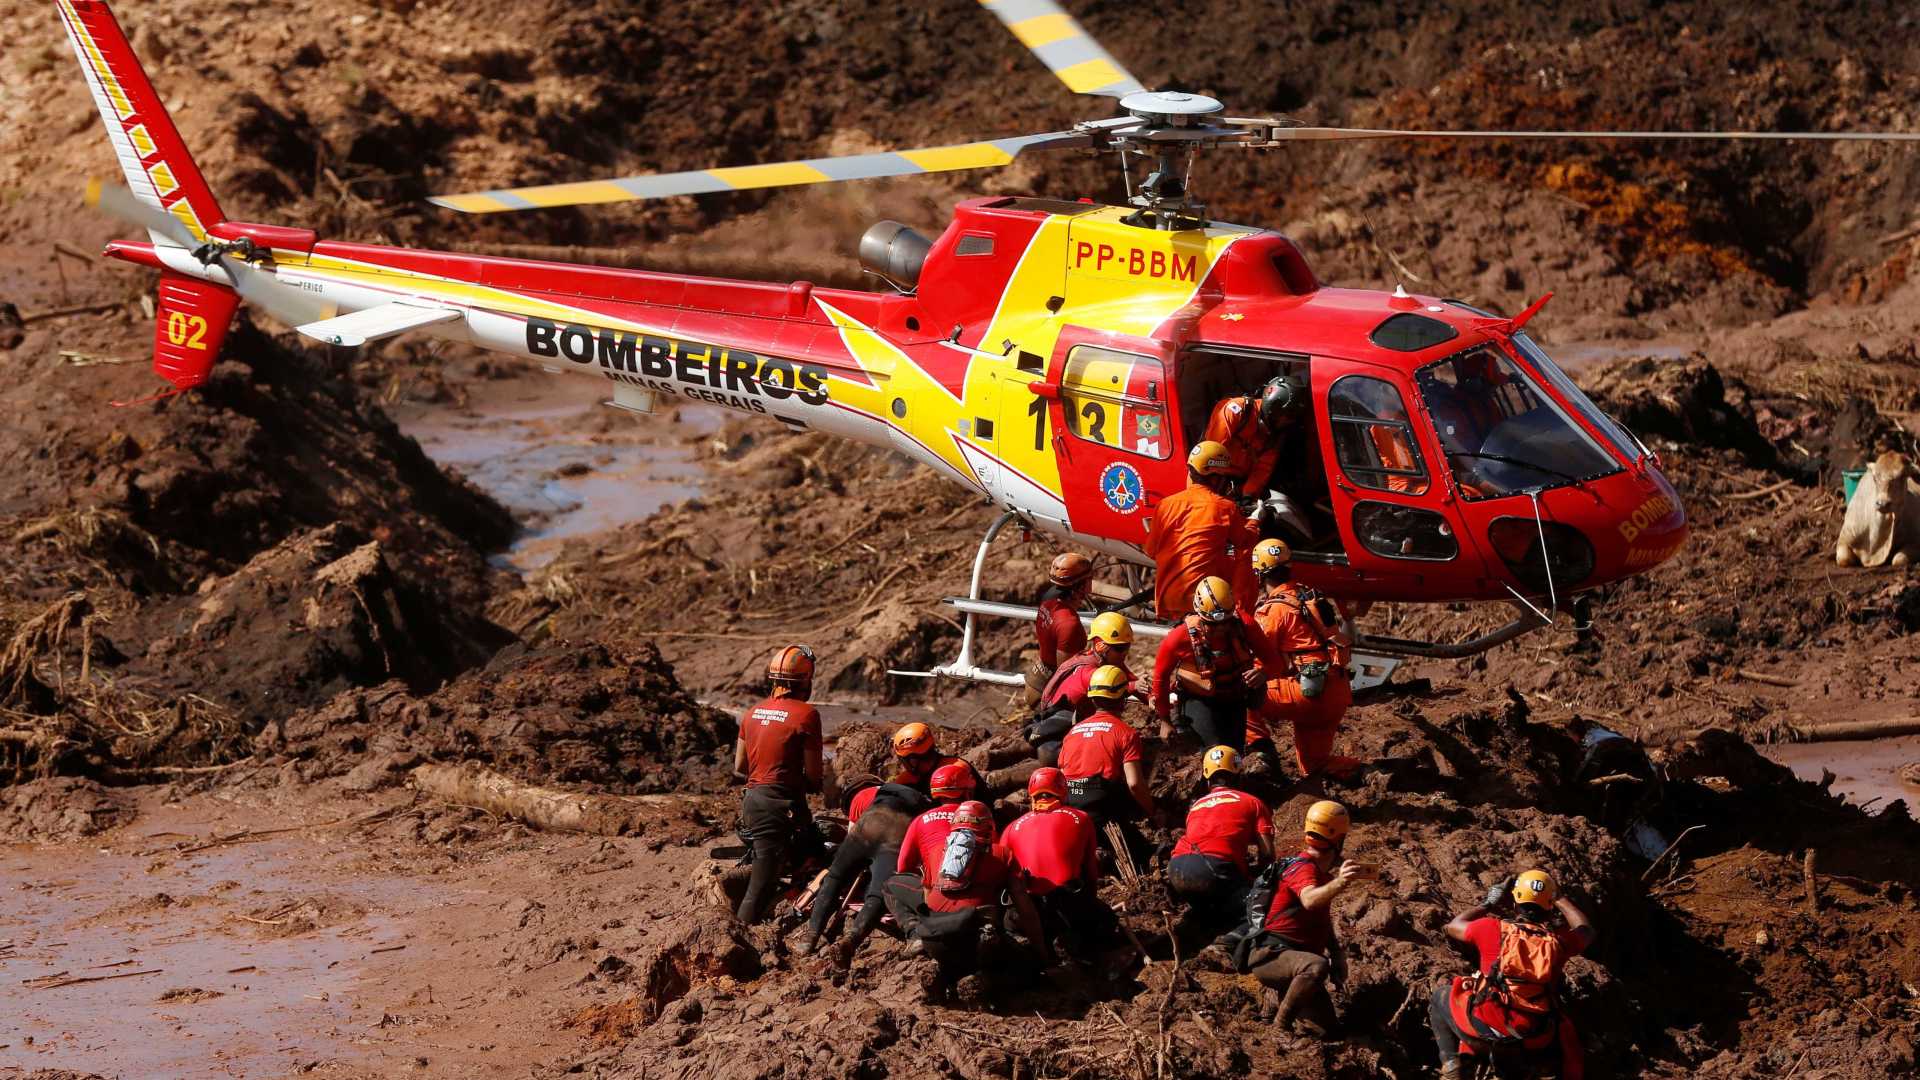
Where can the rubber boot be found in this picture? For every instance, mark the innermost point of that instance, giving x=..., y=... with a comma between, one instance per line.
x=808, y=942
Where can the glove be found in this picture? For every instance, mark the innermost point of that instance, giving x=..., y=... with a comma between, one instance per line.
x=1498, y=892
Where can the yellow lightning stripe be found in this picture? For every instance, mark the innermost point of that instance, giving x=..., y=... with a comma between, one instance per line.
x=932, y=410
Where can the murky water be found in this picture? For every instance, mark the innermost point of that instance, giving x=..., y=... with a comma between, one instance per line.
x=1865, y=771
x=543, y=450
x=282, y=1000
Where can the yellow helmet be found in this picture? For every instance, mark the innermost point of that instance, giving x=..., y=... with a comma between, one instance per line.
x=1209, y=458
x=1327, y=824
x=1220, y=759
x=1109, y=682
x=1213, y=599
x=1112, y=628
x=1270, y=554
x=1535, y=887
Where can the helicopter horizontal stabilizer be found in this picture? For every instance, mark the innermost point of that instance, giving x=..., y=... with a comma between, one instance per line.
x=372, y=324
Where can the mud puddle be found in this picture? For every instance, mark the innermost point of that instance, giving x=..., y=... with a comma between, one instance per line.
x=1866, y=772
x=566, y=465
x=252, y=964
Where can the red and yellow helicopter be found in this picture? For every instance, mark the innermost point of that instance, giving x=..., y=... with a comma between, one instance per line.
x=1057, y=356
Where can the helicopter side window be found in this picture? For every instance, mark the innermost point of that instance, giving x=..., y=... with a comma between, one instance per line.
x=1372, y=437
x=1116, y=399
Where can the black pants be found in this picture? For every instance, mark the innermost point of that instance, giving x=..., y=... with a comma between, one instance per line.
x=858, y=853
x=776, y=824
x=1076, y=917
x=1216, y=894
x=1109, y=801
x=1216, y=721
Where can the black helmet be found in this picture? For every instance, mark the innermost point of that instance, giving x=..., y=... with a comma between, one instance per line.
x=1280, y=395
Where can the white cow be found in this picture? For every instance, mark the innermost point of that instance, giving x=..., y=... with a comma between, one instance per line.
x=1881, y=527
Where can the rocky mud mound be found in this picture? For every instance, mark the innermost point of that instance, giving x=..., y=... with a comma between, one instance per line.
x=1717, y=958
x=564, y=713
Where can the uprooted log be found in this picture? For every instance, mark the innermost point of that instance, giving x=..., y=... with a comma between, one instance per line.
x=1855, y=729
x=472, y=785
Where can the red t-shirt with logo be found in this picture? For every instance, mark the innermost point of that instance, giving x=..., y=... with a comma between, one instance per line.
x=1310, y=930
x=1223, y=823
x=926, y=840
x=1099, y=746
x=1054, y=847
x=1056, y=626
x=777, y=732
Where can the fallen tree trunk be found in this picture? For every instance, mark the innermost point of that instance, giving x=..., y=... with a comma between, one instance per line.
x=544, y=808
x=1856, y=729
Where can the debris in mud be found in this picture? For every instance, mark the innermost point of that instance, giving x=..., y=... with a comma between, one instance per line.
x=186, y=995
x=610, y=1024
x=55, y=809
x=1687, y=403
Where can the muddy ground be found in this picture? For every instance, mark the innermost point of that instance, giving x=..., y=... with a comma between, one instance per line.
x=235, y=620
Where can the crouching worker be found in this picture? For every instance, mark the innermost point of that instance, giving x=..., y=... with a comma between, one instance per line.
x=779, y=754
x=1051, y=848
x=949, y=786
x=1215, y=662
x=1105, y=769
x=1108, y=640
x=877, y=820
x=947, y=895
x=1211, y=868
x=1295, y=952
x=1056, y=621
x=1512, y=1004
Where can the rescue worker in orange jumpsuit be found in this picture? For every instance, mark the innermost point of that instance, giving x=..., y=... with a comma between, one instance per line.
x=1250, y=427
x=1294, y=951
x=1513, y=1001
x=1210, y=867
x=1056, y=622
x=949, y=786
x=1198, y=533
x=1310, y=686
x=1052, y=850
x=1109, y=640
x=1216, y=661
x=778, y=752
x=1104, y=765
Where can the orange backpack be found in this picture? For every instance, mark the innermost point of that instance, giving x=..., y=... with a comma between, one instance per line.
x=1521, y=979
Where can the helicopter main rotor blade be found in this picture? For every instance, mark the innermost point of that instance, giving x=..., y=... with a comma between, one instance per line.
x=117, y=201
x=976, y=155
x=1061, y=43
x=1274, y=132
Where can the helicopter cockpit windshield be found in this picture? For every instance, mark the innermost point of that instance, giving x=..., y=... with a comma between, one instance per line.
x=1503, y=434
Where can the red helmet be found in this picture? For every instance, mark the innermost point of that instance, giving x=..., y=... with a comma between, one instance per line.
x=1046, y=788
x=974, y=817
x=951, y=782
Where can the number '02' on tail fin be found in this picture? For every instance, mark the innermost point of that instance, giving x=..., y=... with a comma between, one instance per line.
x=158, y=169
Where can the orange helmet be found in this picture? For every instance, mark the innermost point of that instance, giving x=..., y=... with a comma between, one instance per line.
x=1070, y=569
x=974, y=817
x=1209, y=458
x=912, y=739
x=1046, y=788
x=951, y=782
x=1327, y=824
x=791, y=666
x=1213, y=599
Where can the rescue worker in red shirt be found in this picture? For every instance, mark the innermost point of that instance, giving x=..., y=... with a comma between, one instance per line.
x=1250, y=426
x=1310, y=685
x=1198, y=533
x=1216, y=661
x=1056, y=621
x=1294, y=951
x=1210, y=868
x=877, y=820
x=1513, y=1002
x=949, y=786
x=1105, y=770
x=778, y=753
x=1108, y=642
x=1051, y=848
x=946, y=896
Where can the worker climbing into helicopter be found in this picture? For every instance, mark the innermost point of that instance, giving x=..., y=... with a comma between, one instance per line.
x=1214, y=662
x=1199, y=532
x=779, y=754
x=1056, y=622
x=1252, y=428
x=1109, y=639
x=1512, y=1003
x=1310, y=685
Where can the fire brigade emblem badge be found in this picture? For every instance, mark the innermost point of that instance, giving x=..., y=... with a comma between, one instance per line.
x=1120, y=486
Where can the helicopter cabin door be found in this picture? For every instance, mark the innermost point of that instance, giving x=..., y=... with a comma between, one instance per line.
x=1386, y=495
x=1114, y=437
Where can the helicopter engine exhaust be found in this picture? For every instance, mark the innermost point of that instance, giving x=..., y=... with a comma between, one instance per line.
x=895, y=252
